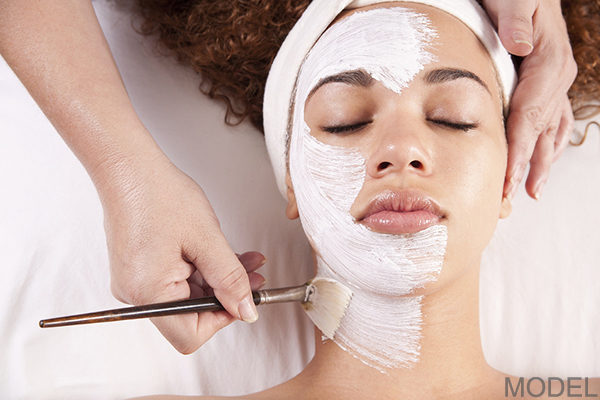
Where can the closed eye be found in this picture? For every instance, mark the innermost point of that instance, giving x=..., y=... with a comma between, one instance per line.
x=454, y=125
x=345, y=128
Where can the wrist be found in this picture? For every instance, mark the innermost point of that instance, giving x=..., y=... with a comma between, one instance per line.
x=121, y=168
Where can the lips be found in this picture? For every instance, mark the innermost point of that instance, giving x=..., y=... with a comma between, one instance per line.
x=399, y=212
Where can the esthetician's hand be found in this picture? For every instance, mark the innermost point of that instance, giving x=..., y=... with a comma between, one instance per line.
x=165, y=243
x=541, y=119
x=164, y=239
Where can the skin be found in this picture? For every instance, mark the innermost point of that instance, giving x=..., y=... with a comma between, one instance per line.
x=408, y=144
x=451, y=167
x=541, y=119
x=157, y=251
x=161, y=230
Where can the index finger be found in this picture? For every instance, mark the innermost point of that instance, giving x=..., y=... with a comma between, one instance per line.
x=223, y=271
x=534, y=103
x=525, y=123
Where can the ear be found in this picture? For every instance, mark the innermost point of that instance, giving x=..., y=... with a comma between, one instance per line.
x=505, y=208
x=292, y=208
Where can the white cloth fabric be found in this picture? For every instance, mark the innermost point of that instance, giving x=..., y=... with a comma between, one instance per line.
x=540, y=274
x=315, y=20
x=540, y=302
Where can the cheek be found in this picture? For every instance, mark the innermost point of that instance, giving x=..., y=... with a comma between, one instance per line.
x=474, y=179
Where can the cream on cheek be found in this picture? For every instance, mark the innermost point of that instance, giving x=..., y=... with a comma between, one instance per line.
x=381, y=327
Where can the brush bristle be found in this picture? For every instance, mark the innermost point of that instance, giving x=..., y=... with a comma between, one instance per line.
x=326, y=304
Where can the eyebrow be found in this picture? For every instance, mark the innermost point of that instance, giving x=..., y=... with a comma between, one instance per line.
x=357, y=77
x=361, y=78
x=442, y=75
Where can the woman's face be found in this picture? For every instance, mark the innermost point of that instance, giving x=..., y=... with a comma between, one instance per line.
x=435, y=153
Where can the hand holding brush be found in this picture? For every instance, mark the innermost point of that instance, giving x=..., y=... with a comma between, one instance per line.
x=324, y=300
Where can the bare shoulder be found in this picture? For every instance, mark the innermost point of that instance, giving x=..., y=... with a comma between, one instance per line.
x=170, y=397
x=270, y=394
x=499, y=386
x=174, y=397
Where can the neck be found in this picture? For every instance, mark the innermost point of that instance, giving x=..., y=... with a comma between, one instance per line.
x=450, y=359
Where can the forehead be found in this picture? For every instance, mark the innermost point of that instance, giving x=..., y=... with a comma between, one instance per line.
x=389, y=44
x=454, y=46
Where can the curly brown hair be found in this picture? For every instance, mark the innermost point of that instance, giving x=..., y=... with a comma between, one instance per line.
x=232, y=44
x=583, y=23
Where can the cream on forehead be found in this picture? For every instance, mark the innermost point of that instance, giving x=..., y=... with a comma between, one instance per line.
x=380, y=328
x=388, y=43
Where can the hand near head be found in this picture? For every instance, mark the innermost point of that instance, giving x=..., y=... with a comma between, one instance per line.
x=540, y=119
x=165, y=244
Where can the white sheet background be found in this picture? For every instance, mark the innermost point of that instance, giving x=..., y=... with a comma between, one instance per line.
x=540, y=293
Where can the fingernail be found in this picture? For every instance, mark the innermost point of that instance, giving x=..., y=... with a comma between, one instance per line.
x=247, y=310
x=522, y=38
x=511, y=194
x=262, y=284
x=539, y=190
x=517, y=174
x=510, y=189
x=263, y=262
x=514, y=182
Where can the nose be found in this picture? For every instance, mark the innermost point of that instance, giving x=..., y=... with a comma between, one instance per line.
x=400, y=150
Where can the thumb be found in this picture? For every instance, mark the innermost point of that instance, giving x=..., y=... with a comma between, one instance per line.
x=515, y=25
x=225, y=274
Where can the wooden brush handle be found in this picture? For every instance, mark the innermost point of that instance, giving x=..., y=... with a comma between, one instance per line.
x=201, y=304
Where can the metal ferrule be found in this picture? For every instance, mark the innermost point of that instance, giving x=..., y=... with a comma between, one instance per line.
x=297, y=293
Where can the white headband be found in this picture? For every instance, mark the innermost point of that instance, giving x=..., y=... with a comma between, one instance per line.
x=315, y=20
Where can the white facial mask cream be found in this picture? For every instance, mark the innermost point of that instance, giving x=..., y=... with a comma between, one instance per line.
x=380, y=327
